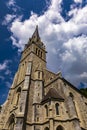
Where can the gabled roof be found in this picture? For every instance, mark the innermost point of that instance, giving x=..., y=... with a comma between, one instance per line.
x=67, y=82
x=52, y=95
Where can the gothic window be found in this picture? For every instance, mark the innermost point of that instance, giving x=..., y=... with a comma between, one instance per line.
x=38, y=74
x=46, y=128
x=36, y=51
x=41, y=54
x=17, y=97
x=46, y=108
x=71, y=95
x=37, y=119
x=59, y=128
x=57, y=108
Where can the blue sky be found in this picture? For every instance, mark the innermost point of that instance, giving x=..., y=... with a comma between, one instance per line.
x=63, y=29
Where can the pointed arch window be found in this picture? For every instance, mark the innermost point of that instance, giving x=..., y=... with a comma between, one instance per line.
x=57, y=108
x=17, y=96
x=46, y=108
x=36, y=50
x=39, y=74
x=41, y=54
x=71, y=96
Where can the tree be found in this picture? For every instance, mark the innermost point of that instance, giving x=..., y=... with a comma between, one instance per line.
x=84, y=91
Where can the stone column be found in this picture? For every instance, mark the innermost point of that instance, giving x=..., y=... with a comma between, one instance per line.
x=51, y=118
x=51, y=124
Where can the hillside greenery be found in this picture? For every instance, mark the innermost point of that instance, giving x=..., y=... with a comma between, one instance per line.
x=84, y=91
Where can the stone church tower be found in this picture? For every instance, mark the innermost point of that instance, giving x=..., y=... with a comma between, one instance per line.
x=40, y=99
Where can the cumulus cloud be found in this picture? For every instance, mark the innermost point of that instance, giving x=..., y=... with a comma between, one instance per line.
x=11, y=4
x=66, y=42
x=8, y=18
x=5, y=65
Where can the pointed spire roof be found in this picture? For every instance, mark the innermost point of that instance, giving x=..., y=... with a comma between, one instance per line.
x=35, y=39
x=52, y=94
x=36, y=34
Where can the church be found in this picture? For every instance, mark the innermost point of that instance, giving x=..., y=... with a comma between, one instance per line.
x=40, y=99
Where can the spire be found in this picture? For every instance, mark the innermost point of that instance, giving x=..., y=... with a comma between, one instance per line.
x=36, y=34
x=35, y=39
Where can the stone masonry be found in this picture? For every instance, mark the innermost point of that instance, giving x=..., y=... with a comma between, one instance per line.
x=39, y=99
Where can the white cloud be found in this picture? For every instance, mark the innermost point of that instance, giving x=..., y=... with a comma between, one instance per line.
x=11, y=3
x=78, y=1
x=4, y=65
x=79, y=15
x=83, y=75
x=8, y=18
x=66, y=42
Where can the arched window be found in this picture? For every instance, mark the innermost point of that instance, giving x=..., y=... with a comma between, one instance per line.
x=71, y=95
x=72, y=99
x=46, y=128
x=39, y=53
x=36, y=50
x=11, y=122
x=59, y=128
x=39, y=74
x=57, y=108
x=46, y=108
x=37, y=119
x=17, y=96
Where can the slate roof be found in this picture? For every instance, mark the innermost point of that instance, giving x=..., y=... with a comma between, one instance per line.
x=52, y=95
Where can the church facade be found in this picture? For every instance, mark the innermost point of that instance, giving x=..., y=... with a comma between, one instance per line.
x=39, y=99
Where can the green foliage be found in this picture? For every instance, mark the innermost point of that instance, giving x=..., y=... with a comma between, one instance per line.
x=84, y=91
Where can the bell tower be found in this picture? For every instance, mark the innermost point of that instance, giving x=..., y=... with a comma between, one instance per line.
x=34, y=52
